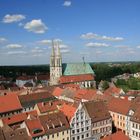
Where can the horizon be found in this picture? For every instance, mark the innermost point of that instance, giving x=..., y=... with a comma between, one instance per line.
x=100, y=31
x=107, y=62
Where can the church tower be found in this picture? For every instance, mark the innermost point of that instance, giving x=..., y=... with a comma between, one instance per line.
x=55, y=64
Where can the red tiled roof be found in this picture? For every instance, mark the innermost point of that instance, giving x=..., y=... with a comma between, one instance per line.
x=71, y=86
x=76, y=78
x=54, y=123
x=85, y=94
x=25, y=78
x=43, y=77
x=9, y=103
x=18, y=117
x=116, y=136
x=57, y=91
x=112, y=90
x=35, y=128
x=49, y=106
x=68, y=110
x=119, y=105
x=133, y=92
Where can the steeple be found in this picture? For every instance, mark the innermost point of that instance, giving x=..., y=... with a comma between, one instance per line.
x=58, y=50
x=53, y=49
x=55, y=64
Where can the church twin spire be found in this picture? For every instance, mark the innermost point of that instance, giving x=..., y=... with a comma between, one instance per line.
x=55, y=49
x=55, y=64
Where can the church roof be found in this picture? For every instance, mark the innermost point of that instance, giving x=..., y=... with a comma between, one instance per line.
x=77, y=69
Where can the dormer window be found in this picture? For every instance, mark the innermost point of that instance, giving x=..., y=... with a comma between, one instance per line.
x=37, y=130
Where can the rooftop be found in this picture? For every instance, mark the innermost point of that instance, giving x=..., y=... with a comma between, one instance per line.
x=76, y=78
x=116, y=136
x=54, y=123
x=119, y=105
x=97, y=110
x=9, y=103
x=78, y=69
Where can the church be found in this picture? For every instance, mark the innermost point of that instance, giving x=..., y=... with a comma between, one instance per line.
x=71, y=73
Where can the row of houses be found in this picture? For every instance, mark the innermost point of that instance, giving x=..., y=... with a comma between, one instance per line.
x=87, y=114
x=50, y=118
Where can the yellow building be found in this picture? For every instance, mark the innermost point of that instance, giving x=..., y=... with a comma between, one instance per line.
x=56, y=126
x=119, y=109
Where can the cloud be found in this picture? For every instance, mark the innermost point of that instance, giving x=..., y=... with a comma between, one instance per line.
x=14, y=46
x=67, y=3
x=98, y=52
x=49, y=42
x=138, y=47
x=2, y=40
x=16, y=52
x=65, y=51
x=13, y=18
x=45, y=42
x=91, y=44
x=99, y=37
x=36, y=26
x=63, y=46
x=122, y=47
x=36, y=51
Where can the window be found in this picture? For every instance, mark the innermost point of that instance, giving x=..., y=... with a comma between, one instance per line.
x=52, y=136
x=82, y=136
x=67, y=138
x=63, y=133
x=57, y=134
x=82, y=129
x=87, y=134
x=73, y=131
x=87, y=128
x=73, y=138
x=78, y=138
x=133, y=124
x=77, y=130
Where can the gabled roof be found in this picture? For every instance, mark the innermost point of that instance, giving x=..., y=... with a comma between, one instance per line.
x=35, y=127
x=57, y=91
x=25, y=77
x=77, y=69
x=69, y=110
x=76, y=78
x=119, y=105
x=50, y=106
x=1, y=134
x=86, y=94
x=9, y=103
x=136, y=116
x=54, y=123
x=17, y=134
x=18, y=118
x=119, y=135
x=97, y=110
x=43, y=77
x=112, y=90
x=32, y=99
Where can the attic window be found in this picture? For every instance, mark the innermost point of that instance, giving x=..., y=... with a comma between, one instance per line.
x=56, y=126
x=37, y=130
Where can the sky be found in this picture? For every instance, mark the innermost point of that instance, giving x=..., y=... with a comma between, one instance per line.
x=98, y=30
